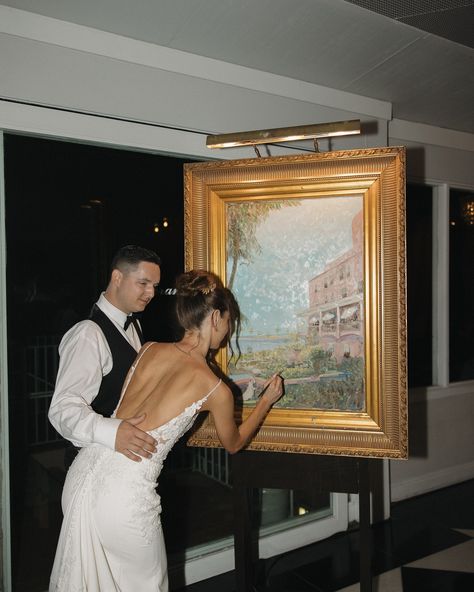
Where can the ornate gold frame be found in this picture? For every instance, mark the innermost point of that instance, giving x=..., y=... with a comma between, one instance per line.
x=378, y=175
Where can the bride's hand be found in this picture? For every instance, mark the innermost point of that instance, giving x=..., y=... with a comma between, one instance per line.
x=273, y=389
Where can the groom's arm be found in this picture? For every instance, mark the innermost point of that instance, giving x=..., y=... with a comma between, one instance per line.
x=84, y=359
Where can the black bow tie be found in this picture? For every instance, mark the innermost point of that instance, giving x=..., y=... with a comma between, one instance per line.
x=133, y=320
x=128, y=321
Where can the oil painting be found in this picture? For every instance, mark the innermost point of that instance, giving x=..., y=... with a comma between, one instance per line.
x=301, y=296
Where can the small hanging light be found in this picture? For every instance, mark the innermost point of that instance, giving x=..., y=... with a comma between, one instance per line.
x=468, y=211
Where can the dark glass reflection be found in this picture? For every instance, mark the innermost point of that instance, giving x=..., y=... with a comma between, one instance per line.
x=461, y=286
x=419, y=218
x=68, y=208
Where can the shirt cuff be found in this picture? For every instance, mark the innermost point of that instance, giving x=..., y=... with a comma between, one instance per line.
x=106, y=431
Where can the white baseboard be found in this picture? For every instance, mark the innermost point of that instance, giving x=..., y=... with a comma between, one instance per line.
x=431, y=481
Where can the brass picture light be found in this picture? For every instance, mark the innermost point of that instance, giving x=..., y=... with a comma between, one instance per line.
x=285, y=134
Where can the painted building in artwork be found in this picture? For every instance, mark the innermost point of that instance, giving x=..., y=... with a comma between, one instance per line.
x=336, y=298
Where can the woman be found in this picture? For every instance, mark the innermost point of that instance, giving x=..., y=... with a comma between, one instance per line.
x=111, y=537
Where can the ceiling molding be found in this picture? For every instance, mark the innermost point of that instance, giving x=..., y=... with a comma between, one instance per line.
x=429, y=134
x=44, y=29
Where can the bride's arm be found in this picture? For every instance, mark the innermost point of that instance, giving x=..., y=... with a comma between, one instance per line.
x=221, y=406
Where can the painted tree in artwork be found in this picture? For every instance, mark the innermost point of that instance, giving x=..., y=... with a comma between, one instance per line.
x=243, y=220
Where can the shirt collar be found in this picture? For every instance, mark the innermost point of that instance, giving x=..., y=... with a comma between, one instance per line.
x=111, y=311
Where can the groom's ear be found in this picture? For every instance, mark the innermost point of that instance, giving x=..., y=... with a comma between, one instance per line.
x=116, y=277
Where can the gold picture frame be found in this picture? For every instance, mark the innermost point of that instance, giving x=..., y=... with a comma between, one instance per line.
x=367, y=312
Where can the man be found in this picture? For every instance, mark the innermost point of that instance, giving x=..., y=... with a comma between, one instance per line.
x=96, y=354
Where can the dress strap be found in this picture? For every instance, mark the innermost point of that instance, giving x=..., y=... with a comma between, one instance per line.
x=140, y=354
x=198, y=404
x=211, y=391
x=131, y=372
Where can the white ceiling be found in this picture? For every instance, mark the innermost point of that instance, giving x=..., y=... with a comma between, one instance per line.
x=334, y=43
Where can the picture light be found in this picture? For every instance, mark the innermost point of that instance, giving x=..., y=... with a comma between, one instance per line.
x=285, y=134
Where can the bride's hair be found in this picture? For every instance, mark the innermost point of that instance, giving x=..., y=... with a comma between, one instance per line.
x=198, y=293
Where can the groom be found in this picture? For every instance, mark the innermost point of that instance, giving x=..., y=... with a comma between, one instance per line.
x=96, y=355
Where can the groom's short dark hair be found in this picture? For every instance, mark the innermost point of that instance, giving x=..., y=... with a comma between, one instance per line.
x=130, y=256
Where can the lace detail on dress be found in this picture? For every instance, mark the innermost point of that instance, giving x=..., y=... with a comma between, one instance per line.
x=147, y=503
x=82, y=475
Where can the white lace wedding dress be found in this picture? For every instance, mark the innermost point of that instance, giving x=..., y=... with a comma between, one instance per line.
x=111, y=538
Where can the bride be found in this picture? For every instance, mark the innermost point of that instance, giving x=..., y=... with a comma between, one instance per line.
x=111, y=538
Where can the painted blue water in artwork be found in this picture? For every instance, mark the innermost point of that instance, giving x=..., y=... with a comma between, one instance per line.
x=253, y=344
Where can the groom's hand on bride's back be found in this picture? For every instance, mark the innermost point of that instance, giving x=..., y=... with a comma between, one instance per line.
x=133, y=442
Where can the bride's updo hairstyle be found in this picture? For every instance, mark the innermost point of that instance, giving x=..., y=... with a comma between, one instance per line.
x=198, y=293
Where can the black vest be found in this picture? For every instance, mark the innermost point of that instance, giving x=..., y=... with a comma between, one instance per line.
x=123, y=356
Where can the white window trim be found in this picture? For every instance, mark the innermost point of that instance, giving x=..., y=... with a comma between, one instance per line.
x=440, y=290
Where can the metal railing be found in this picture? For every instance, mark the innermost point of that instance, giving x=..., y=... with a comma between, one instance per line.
x=40, y=431
x=40, y=370
x=214, y=463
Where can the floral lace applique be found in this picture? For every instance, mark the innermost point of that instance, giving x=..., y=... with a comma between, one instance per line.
x=147, y=506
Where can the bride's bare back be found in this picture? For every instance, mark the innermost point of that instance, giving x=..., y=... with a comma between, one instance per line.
x=162, y=383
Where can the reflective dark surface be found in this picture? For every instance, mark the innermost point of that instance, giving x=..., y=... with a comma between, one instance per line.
x=69, y=207
x=419, y=222
x=461, y=285
x=426, y=546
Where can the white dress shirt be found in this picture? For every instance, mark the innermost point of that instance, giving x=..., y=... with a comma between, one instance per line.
x=85, y=357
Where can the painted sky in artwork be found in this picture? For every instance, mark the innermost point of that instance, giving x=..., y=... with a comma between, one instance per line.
x=297, y=242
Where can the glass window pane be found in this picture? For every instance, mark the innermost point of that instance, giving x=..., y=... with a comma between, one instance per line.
x=277, y=509
x=461, y=285
x=68, y=208
x=419, y=217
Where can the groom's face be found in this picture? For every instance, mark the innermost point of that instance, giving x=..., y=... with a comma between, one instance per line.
x=135, y=287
